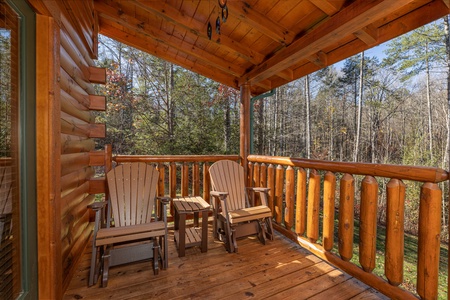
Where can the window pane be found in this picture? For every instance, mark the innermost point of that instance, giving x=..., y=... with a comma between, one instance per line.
x=9, y=185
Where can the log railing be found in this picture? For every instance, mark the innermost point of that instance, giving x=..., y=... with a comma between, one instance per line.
x=313, y=202
x=305, y=210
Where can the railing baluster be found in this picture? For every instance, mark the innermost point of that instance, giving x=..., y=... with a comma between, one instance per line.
x=429, y=240
x=395, y=241
x=185, y=180
x=173, y=179
x=195, y=179
x=263, y=176
x=250, y=174
x=289, y=210
x=312, y=230
x=329, y=191
x=368, y=223
x=256, y=176
x=300, y=212
x=279, y=185
x=206, y=183
x=271, y=186
x=346, y=216
x=161, y=169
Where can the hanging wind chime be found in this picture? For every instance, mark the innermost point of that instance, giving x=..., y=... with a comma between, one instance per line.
x=224, y=8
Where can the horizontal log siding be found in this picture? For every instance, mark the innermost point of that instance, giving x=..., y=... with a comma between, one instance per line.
x=77, y=127
x=318, y=197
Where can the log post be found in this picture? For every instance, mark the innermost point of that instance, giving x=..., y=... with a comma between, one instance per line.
x=395, y=242
x=312, y=229
x=279, y=186
x=185, y=179
x=368, y=223
x=195, y=179
x=346, y=217
x=429, y=241
x=289, y=210
x=271, y=186
x=300, y=212
x=244, y=129
x=329, y=190
x=206, y=183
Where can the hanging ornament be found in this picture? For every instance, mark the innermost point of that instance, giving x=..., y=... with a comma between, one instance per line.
x=224, y=13
x=222, y=3
x=218, y=25
x=209, y=31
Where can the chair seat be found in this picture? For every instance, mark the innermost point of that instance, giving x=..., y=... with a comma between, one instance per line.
x=129, y=233
x=249, y=214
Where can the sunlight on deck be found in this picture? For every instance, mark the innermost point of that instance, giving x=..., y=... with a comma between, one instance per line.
x=280, y=269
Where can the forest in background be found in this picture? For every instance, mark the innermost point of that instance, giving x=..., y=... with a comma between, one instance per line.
x=392, y=111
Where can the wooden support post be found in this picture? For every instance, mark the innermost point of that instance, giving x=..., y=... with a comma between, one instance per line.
x=48, y=150
x=245, y=126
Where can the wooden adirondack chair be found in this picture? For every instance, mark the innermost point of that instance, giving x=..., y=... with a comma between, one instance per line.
x=233, y=215
x=132, y=230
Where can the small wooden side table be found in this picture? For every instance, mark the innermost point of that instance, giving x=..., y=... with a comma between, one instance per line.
x=191, y=236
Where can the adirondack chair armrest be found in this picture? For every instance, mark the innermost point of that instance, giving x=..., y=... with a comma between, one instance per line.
x=97, y=205
x=259, y=189
x=162, y=214
x=264, y=192
x=164, y=200
x=221, y=195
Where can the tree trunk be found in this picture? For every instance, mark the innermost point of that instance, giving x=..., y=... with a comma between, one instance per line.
x=430, y=117
x=308, y=116
x=358, y=121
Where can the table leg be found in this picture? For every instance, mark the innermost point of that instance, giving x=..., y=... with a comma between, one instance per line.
x=204, y=231
x=182, y=235
x=196, y=219
x=176, y=224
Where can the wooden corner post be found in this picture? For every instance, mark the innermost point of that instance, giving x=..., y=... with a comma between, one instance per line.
x=244, y=131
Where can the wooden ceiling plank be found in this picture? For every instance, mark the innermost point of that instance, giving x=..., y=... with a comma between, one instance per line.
x=325, y=6
x=447, y=3
x=151, y=46
x=368, y=35
x=174, y=16
x=115, y=15
x=244, y=12
x=357, y=15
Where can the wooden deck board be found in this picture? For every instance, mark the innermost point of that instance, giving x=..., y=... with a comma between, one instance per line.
x=278, y=270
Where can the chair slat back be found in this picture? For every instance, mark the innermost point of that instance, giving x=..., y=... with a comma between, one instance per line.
x=228, y=176
x=132, y=189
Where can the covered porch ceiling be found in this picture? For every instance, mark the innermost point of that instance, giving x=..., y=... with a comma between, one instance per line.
x=266, y=43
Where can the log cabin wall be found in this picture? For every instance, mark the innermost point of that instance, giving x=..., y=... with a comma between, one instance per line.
x=66, y=128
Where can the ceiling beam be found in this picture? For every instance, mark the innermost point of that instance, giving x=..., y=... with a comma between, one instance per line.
x=244, y=12
x=152, y=47
x=320, y=59
x=325, y=6
x=178, y=18
x=359, y=14
x=115, y=14
x=368, y=35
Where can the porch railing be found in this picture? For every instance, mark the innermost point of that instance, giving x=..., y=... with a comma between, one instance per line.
x=314, y=204
x=306, y=208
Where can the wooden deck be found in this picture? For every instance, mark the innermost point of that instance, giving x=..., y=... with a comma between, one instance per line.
x=279, y=270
